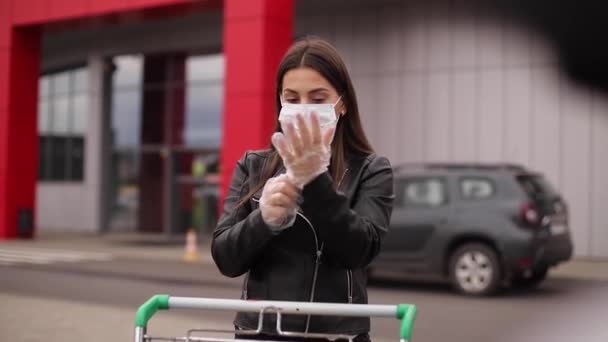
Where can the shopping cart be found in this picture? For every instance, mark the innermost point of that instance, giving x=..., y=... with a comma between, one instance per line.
x=404, y=312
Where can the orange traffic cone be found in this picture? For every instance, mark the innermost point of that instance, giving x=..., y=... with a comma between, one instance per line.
x=191, y=251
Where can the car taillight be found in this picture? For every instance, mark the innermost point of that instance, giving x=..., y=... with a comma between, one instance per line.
x=529, y=214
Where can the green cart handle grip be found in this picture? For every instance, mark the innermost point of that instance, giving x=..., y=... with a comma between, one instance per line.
x=406, y=313
x=149, y=308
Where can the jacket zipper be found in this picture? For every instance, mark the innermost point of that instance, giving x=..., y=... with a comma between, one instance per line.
x=349, y=285
x=315, y=274
x=319, y=253
x=245, y=286
x=349, y=273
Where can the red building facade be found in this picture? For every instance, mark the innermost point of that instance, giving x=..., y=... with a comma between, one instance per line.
x=256, y=34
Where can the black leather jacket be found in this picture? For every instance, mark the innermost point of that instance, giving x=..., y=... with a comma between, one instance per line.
x=322, y=257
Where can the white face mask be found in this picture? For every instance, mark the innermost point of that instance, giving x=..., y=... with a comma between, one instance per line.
x=325, y=111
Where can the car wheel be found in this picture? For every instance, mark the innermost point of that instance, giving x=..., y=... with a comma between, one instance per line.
x=474, y=269
x=532, y=281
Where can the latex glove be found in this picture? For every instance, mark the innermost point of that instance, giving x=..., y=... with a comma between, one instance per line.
x=306, y=152
x=279, y=201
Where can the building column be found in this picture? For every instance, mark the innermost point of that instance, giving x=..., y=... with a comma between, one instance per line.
x=257, y=34
x=19, y=72
x=97, y=147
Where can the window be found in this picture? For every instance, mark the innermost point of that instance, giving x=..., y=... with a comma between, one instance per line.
x=126, y=101
x=202, y=89
x=476, y=188
x=62, y=122
x=421, y=192
x=536, y=186
x=204, y=94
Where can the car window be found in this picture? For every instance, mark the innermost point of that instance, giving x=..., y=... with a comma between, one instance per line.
x=536, y=186
x=421, y=192
x=476, y=188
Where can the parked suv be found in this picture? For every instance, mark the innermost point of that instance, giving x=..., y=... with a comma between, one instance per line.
x=479, y=226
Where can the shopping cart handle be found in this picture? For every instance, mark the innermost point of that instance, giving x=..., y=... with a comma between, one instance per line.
x=149, y=308
x=406, y=313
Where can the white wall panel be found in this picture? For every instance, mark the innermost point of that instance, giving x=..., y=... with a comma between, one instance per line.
x=438, y=42
x=516, y=51
x=475, y=90
x=490, y=43
x=365, y=45
x=343, y=38
x=575, y=162
x=516, y=138
x=437, y=127
x=412, y=120
x=367, y=96
x=438, y=27
x=64, y=207
x=491, y=115
x=323, y=27
x=463, y=38
x=599, y=177
x=388, y=105
x=545, y=124
x=464, y=116
x=390, y=41
x=415, y=48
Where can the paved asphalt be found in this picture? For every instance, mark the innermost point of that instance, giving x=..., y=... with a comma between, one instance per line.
x=95, y=300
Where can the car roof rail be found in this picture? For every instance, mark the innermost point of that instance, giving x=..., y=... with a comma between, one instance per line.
x=461, y=166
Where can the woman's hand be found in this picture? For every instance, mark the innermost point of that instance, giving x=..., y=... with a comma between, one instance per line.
x=306, y=152
x=279, y=201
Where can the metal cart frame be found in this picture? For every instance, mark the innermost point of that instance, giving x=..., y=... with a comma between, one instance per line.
x=404, y=312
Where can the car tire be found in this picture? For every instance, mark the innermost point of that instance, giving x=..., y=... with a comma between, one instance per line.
x=531, y=282
x=474, y=270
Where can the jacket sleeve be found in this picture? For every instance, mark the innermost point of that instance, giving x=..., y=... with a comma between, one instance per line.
x=352, y=237
x=241, y=233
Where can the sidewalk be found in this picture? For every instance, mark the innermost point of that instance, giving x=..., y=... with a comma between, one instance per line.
x=582, y=269
x=135, y=246
x=136, y=256
x=158, y=247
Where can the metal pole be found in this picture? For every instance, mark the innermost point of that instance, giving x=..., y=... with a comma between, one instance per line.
x=285, y=307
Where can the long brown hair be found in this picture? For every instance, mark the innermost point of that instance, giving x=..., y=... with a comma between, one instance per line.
x=349, y=139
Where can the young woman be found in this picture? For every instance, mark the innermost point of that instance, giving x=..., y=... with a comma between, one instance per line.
x=304, y=218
